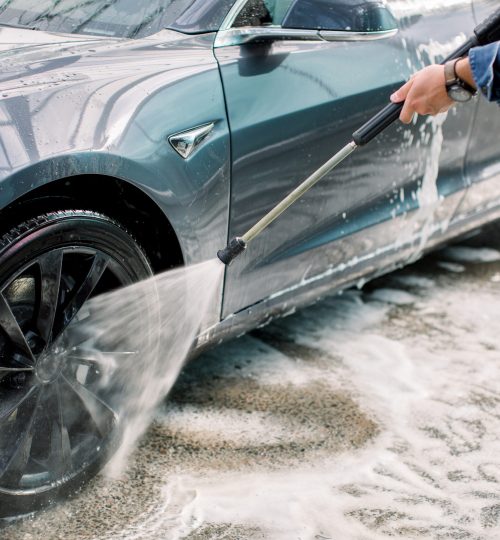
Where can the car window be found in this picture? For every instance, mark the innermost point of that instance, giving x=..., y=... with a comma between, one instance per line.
x=263, y=12
x=346, y=15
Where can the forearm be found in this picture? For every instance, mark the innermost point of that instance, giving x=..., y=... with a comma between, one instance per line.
x=484, y=64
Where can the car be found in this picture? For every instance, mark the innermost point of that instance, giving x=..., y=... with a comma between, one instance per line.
x=139, y=136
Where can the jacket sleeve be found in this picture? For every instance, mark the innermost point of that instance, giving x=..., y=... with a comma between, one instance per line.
x=485, y=65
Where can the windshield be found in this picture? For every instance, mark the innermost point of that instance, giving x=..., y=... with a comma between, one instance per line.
x=115, y=18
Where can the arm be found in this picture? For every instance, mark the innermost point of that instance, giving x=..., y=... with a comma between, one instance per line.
x=425, y=92
x=485, y=66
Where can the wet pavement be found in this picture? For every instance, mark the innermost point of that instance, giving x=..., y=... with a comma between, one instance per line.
x=372, y=414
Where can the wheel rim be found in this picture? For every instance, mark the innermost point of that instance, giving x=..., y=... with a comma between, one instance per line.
x=55, y=418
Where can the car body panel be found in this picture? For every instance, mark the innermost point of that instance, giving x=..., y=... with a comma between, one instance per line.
x=71, y=106
x=291, y=105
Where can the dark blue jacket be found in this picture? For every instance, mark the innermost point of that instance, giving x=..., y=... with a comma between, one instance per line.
x=485, y=64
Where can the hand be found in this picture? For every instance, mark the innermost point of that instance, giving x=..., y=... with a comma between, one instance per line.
x=424, y=93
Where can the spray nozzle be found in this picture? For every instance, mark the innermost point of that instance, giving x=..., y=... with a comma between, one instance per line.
x=232, y=250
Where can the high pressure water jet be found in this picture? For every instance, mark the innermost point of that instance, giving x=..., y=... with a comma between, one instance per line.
x=487, y=32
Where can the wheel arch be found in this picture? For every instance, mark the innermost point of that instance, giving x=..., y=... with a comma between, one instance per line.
x=117, y=198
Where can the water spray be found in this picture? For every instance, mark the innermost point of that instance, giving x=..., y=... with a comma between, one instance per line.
x=487, y=32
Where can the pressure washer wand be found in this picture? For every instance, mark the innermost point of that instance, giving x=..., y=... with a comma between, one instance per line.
x=487, y=32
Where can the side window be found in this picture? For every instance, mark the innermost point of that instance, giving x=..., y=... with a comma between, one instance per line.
x=344, y=15
x=263, y=13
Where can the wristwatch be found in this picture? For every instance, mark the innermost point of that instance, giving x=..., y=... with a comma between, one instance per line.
x=457, y=89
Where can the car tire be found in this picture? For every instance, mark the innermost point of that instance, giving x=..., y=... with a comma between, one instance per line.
x=51, y=440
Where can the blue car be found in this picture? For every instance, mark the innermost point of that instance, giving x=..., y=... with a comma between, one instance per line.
x=137, y=136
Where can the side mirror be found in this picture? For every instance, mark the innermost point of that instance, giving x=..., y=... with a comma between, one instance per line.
x=350, y=16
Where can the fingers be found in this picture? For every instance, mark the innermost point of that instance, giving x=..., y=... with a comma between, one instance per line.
x=400, y=95
x=407, y=113
x=425, y=93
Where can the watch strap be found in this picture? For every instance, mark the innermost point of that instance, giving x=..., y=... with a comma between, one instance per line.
x=451, y=77
x=450, y=73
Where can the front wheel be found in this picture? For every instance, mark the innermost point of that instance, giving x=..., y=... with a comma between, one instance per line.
x=57, y=426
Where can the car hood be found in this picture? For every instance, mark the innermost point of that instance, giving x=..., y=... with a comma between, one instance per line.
x=19, y=39
x=41, y=55
x=18, y=46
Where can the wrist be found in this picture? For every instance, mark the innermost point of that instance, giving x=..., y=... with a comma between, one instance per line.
x=464, y=72
x=458, y=88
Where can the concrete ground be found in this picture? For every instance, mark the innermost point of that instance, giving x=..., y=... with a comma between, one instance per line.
x=373, y=414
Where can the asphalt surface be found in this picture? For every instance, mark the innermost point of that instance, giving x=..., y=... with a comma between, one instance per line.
x=373, y=414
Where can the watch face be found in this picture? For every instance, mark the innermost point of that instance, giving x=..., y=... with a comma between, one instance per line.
x=457, y=93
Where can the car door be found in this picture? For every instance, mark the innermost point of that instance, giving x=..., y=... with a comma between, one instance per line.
x=294, y=97
x=483, y=165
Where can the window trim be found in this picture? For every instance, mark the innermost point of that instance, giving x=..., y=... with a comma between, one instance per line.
x=347, y=35
x=232, y=15
x=254, y=34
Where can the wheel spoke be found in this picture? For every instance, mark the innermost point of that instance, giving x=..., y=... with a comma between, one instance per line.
x=15, y=370
x=6, y=371
x=82, y=353
x=93, y=358
x=50, y=272
x=83, y=293
x=59, y=462
x=100, y=413
x=13, y=460
x=10, y=326
x=9, y=404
